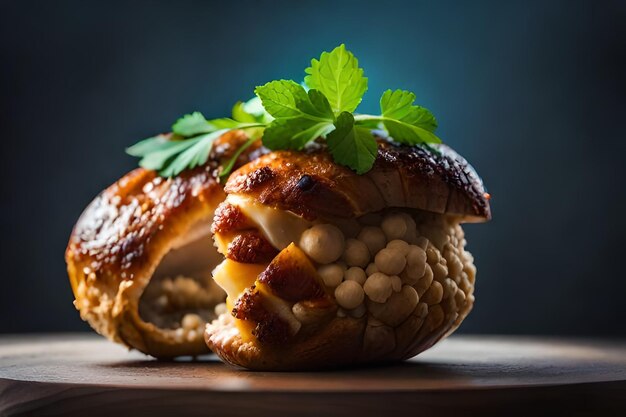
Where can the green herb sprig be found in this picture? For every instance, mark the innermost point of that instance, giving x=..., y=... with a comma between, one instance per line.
x=289, y=115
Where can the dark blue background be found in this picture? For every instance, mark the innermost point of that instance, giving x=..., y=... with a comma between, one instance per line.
x=532, y=93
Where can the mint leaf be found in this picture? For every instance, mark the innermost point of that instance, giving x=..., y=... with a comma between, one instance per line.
x=338, y=76
x=316, y=105
x=398, y=104
x=405, y=122
x=301, y=117
x=352, y=146
x=192, y=124
x=280, y=97
x=288, y=100
x=294, y=133
x=408, y=134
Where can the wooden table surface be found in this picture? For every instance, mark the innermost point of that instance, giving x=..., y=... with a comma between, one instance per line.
x=70, y=374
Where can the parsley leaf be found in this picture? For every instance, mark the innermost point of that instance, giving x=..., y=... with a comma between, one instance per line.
x=195, y=124
x=146, y=146
x=192, y=124
x=405, y=122
x=351, y=145
x=195, y=153
x=156, y=154
x=225, y=123
x=338, y=76
x=171, y=156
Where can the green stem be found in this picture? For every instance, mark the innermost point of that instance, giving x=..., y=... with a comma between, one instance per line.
x=369, y=117
x=231, y=163
x=251, y=125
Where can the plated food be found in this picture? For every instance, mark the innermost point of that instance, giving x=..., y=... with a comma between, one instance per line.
x=337, y=241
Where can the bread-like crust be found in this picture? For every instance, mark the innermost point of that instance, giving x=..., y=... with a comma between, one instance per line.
x=122, y=236
x=312, y=185
x=337, y=343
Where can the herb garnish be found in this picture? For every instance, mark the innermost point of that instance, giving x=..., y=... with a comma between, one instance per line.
x=288, y=115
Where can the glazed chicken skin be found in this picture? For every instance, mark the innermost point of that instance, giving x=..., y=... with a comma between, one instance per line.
x=328, y=268
x=140, y=256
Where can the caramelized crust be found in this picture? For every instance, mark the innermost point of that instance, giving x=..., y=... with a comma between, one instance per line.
x=313, y=185
x=229, y=218
x=268, y=326
x=272, y=330
x=122, y=236
x=249, y=306
x=251, y=247
x=292, y=277
x=336, y=343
